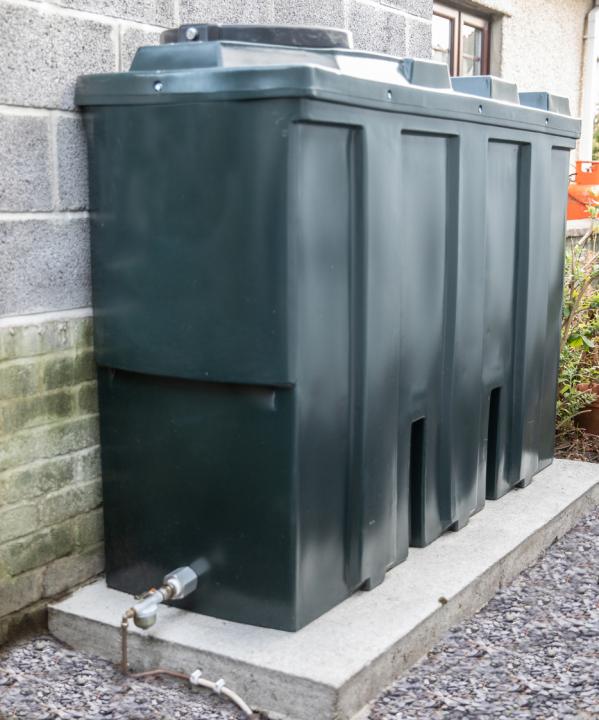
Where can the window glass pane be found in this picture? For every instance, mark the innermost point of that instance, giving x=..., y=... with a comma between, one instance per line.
x=442, y=32
x=472, y=44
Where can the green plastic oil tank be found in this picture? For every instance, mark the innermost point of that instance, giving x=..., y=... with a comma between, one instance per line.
x=327, y=293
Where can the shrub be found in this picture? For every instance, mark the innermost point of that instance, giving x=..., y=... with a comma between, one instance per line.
x=579, y=347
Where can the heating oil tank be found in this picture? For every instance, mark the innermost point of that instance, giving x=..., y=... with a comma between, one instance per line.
x=326, y=289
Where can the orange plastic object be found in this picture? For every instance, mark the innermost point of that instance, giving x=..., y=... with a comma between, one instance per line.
x=584, y=191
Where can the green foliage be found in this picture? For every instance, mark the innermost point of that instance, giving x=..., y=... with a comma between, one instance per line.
x=579, y=349
x=571, y=401
x=596, y=138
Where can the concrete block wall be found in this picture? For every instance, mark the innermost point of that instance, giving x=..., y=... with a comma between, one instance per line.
x=50, y=492
x=50, y=528
x=44, y=246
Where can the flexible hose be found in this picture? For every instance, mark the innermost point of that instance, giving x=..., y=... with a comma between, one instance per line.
x=220, y=689
x=217, y=687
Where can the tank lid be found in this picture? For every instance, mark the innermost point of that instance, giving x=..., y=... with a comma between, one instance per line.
x=287, y=35
x=487, y=86
x=546, y=101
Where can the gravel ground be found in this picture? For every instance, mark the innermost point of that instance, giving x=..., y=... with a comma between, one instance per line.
x=41, y=679
x=532, y=652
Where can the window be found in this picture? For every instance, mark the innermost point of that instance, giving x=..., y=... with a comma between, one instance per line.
x=461, y=40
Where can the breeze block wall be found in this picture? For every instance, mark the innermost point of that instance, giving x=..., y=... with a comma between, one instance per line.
x=50, y=489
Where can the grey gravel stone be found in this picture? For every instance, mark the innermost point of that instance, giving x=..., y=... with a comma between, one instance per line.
x=42, y=679
x=532, y=652
x=544, y=664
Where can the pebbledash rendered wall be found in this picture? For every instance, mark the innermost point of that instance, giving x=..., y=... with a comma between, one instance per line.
x=538, y=43
x=50, y=496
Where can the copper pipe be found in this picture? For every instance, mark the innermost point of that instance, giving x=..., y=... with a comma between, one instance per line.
x=124, y=636
x=125, y=654
x=160, y=671
x=217, y=687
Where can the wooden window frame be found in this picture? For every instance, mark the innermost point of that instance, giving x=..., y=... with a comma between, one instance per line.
x=458, y=19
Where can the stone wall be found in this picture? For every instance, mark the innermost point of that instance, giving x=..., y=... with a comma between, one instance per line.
x=50, y=495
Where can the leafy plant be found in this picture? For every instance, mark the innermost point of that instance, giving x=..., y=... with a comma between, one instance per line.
x=571, y=400
x=579, y=347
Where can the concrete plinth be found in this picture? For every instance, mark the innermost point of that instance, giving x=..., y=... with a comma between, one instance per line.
x=332, y=668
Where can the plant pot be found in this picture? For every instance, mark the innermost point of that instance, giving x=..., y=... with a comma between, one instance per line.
x=589, y=417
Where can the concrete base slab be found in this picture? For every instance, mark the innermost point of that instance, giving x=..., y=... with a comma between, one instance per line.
x=333, y=667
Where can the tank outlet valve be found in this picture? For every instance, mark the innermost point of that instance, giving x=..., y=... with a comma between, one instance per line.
x=183, y=580
x=176, y=585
